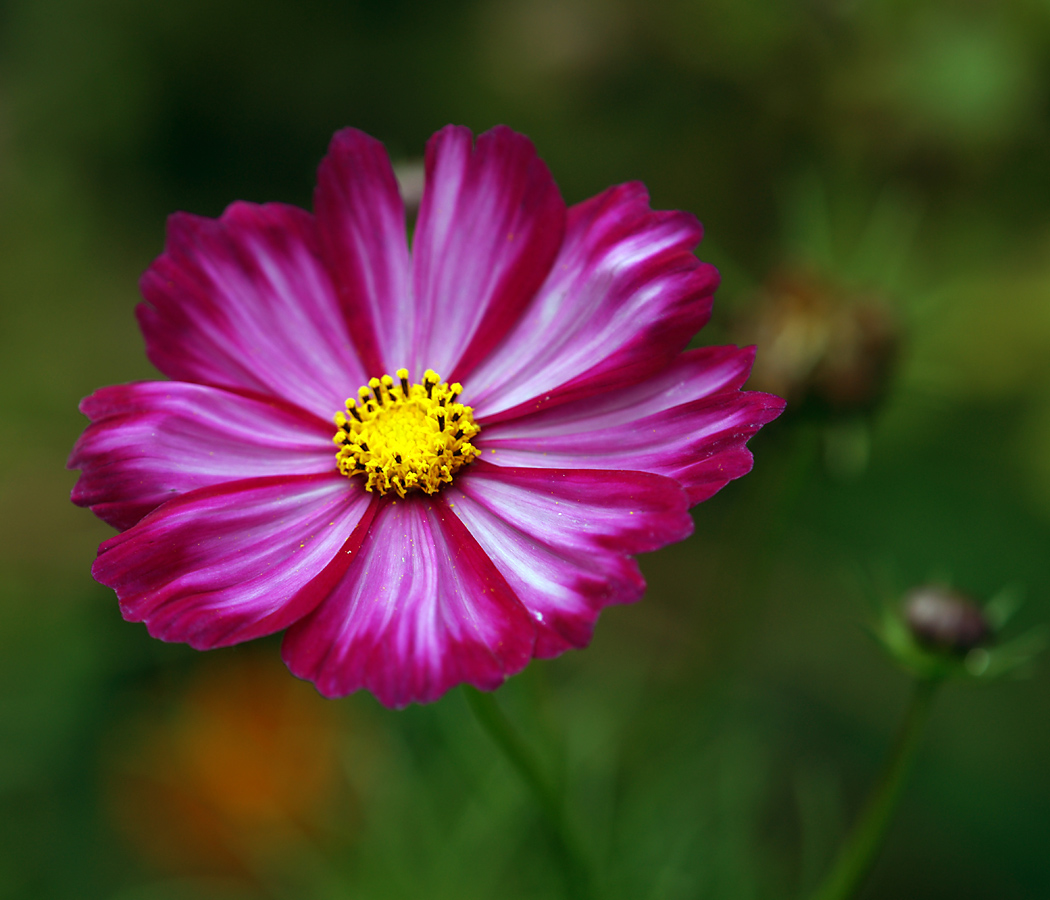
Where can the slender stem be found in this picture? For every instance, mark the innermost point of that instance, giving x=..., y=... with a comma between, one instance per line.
x=858, y=854
x=495, y=722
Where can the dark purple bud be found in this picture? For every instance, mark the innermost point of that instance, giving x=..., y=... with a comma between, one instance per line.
x=942, y=618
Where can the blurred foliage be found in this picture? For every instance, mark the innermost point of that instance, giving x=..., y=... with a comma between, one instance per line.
x=717, y=737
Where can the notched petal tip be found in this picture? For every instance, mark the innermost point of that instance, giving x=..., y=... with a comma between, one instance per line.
x=564, y=539
x=490, y=223
x=622, y=299
x=363, y=238
x=453, y=619
x=233, y=562
x=689, y=422
x=153, y=440
x=245, y=302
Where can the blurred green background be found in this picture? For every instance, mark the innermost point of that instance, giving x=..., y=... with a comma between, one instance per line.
x=853, y=162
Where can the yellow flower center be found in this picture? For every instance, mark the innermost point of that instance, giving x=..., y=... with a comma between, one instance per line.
x=405, y=437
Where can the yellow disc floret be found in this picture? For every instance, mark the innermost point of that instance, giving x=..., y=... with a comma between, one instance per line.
x=403, y=437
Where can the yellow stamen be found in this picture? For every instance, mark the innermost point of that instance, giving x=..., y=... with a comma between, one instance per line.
x=404, y=437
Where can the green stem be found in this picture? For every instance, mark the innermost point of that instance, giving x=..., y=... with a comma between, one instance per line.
x=495, y=722
x=860, y=850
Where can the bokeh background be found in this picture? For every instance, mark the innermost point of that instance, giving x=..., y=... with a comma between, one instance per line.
x=875, y=183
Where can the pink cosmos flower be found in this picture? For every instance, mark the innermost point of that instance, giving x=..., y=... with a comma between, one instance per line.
x=461, y=523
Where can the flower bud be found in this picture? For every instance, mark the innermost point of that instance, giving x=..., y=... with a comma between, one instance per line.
x=944, y=619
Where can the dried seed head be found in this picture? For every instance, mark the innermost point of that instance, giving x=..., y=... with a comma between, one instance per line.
x=821, y=343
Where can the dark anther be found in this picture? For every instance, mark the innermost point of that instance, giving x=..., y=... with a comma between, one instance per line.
x=363, y=445
x=379, y=394
x=441, y=423
x=359, y=466
x=430, y=389
x=355, y=413
x=404, y=386
x=457, y=452
x=458, y=435
x=397, y=456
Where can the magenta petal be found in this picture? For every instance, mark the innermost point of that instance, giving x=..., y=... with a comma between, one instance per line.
x=690, y=423
x=236, y=561
x=562, y=538
x=151, y=441
x=361, y=225
x=623, y=298
x=421, y=610
x=244, y=302
x=694, y=375
x=490, y=224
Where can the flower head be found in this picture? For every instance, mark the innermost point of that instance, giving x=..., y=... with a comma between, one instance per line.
x=514, y=417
